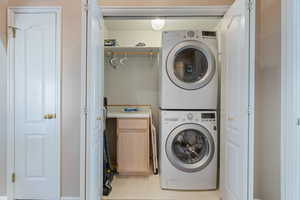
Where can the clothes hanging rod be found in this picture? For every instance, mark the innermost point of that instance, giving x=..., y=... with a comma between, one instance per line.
x=131, y=53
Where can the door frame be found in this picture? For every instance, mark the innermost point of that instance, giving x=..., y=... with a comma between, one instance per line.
x=83, y=109
x=251, y=108
x=290, y=96
x=85, y=6
x=10, y=90
x=164, y=11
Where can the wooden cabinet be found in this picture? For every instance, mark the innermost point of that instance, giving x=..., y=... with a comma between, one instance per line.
x=133, y=146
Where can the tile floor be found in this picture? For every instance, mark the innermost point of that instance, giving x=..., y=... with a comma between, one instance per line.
x=148, y=188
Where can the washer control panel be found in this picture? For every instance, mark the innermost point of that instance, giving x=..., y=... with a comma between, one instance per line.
x=192, y=117
x=208, y=117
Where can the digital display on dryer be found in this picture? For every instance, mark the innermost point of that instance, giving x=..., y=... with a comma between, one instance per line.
x=208, y=115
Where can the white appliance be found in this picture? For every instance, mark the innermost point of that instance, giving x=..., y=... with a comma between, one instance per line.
x=188, y=150
x=189, y=72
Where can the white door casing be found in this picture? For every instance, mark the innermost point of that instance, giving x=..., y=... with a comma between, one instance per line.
x=237, y=46
x=247, y=186
x=290, y=100
x=34, y=103
x=95, y=107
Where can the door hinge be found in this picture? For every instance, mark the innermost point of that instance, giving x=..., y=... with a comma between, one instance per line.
x=85, y=110
x=85, y=7
x=14, y=31
x=250, y=5
x=250, y=110
x=13, y=177
x=298, y=122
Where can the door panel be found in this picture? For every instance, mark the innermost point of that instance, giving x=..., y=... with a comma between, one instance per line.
x=235, y=116
x=36, y=138
x=95, y=90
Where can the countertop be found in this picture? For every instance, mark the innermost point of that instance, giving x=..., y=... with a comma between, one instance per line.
x=118, y=112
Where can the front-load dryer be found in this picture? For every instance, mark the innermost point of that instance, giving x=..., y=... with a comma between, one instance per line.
x=188, y=150
x=189, y=72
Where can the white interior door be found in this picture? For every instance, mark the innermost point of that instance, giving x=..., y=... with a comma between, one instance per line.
x=35, y=76
x=290, y=100
x=237, y=99
x=95, y=94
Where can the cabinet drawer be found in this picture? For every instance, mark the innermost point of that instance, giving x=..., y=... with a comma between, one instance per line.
x=132, y=124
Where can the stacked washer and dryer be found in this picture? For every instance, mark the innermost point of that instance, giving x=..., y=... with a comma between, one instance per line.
x=188, y=110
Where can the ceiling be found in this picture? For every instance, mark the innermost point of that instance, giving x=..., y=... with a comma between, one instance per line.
x=204, y=23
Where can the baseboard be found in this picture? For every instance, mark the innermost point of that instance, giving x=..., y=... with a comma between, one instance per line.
x=69, y=198
x=62, y=198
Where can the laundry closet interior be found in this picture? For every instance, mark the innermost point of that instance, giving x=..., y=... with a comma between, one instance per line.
x=162, y=84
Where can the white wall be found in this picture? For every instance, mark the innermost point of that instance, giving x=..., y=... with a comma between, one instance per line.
x=135, y=83
x=130, y=32
x=268, y=95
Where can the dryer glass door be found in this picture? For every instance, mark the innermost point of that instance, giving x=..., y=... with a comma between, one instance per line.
x=190, y=147
x=191, y=65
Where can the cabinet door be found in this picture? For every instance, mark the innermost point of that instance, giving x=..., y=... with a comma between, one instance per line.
x=133, y=151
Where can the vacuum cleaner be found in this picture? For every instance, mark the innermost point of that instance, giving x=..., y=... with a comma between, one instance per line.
x=108, y=171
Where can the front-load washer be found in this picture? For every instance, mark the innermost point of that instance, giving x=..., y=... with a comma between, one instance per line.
x=188, y=150
x=189, y=72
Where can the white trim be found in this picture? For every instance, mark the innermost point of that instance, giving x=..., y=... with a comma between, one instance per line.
x=290, y=96
x=150, y=11
x=83, y=100
x=252, y=53
x=62, y=198
x=156, y=11
x=10, y=112
x=10, y=90
x=3, y=93
x=69, y=198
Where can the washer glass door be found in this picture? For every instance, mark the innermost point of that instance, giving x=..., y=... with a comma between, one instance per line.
x=191, y=65
x=190, y=147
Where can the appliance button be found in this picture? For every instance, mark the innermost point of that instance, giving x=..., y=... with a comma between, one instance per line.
x=191, y=34
x=190, y=116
